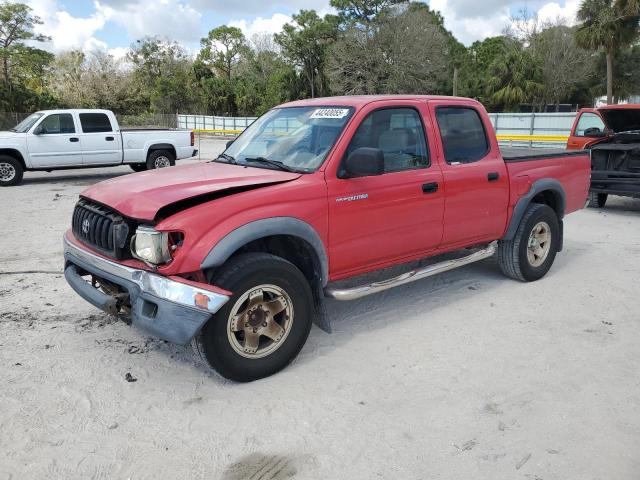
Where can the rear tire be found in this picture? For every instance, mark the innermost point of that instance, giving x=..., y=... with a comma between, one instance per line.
x=11, y=171
x=138, y=167
x=531, y=252
x=160, y=159
x=265, y=323
x=597, y=200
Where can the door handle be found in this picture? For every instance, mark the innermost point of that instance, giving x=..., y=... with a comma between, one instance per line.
x=430, y=187
x=74, y=139
x=109, y=139
x=493, y=176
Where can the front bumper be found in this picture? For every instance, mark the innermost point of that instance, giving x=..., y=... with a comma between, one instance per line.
x=173, y=309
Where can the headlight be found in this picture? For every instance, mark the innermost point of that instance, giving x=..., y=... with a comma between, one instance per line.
x=151, y=246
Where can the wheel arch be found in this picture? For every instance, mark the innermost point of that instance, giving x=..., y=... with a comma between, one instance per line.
x=161, y=146
x=287, y=237
x=12, y=152
x=290, y=228
x=547, y=191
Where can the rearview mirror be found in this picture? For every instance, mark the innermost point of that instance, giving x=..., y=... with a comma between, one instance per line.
x=594, y=132
x=364, y=162
x=229, y=144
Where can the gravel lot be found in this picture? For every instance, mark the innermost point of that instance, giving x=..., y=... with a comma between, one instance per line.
x=463, y=376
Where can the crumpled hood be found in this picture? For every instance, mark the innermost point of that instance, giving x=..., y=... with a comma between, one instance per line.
x=142, y=195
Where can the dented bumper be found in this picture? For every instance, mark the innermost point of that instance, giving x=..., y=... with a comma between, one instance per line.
x=170, y=308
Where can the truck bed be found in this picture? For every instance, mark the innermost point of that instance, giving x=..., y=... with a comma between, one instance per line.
x=524, y=154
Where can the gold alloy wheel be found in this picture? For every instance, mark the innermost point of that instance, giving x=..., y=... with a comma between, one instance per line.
x=260, y=321
x=539, y=244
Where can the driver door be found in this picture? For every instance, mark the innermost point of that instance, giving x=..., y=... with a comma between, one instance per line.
x=53, y=142
x=384, y=219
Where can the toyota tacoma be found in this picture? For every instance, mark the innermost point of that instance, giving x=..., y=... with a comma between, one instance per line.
x=238, y=255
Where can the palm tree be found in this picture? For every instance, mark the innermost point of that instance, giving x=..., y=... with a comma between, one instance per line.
x=514, y=77
x=608, y=25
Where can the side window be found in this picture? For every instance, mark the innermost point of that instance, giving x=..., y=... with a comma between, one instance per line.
x=588, y=120
x=398, y=132
x=462, y=132
x=95, y=122
x=57, y=123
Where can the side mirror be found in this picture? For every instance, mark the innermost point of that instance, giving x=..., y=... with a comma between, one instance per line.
x=38, y=130
x=364, y=162
x=594, y=132
x=229, y=144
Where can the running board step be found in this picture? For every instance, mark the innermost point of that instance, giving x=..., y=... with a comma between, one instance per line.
x=412, y=276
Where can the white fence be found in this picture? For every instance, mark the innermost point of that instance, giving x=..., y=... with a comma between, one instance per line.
x=216, y=125
x=510, y=127
x=534, y=125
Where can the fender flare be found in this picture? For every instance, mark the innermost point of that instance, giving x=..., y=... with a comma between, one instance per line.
x=538, y=186
x=267, y=227
x=156, y=145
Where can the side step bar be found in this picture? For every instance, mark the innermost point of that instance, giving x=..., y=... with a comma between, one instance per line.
x=412, y=276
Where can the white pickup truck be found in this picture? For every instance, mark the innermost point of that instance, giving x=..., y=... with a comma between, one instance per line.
x=60, y=139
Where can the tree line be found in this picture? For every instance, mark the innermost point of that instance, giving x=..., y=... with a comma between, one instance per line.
x=367, y=47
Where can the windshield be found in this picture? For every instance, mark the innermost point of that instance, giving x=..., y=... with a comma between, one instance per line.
x=298, y=138
x=27, y=123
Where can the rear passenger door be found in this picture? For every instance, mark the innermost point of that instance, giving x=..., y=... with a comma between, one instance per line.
x=475, y=175
x=101, y=145
x=398, y=214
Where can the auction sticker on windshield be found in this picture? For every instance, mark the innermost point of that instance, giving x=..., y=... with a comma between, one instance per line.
x=330, y=113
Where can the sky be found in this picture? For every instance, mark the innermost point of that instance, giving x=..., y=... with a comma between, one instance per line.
x=112, y=25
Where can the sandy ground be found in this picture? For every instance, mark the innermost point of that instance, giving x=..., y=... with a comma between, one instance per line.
x=463, y=376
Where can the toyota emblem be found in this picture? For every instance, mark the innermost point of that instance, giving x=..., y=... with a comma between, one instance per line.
x=85, y=226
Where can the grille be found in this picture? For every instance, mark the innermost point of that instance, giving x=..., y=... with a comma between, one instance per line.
x=102, y=228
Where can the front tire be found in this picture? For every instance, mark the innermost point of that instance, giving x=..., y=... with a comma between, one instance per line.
x=597, y=200
x=531, y=252
x=265, y=323
x=11, y=171
x=160, y=159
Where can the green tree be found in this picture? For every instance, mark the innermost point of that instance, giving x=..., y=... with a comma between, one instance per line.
x=362, y=12
x=305, y=41
x=608, y=26
x=515, y=77
x=564, y=64
x=222, y=49
x=377, y=59
x=163, y=74
x=24, y=67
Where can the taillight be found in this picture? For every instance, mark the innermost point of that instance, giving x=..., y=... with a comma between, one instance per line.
x=193, y=138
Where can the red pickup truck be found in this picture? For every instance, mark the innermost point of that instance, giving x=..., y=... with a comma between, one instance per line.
x=238, y=255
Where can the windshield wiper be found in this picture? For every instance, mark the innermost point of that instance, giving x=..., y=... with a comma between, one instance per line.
x=273, y=163
x=228, y=158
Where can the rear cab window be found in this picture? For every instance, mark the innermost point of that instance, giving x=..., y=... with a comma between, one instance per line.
x=95, y=123
x=464, y=138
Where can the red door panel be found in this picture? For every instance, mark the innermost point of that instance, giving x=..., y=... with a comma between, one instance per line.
x=476, y=179
x=382, y=219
